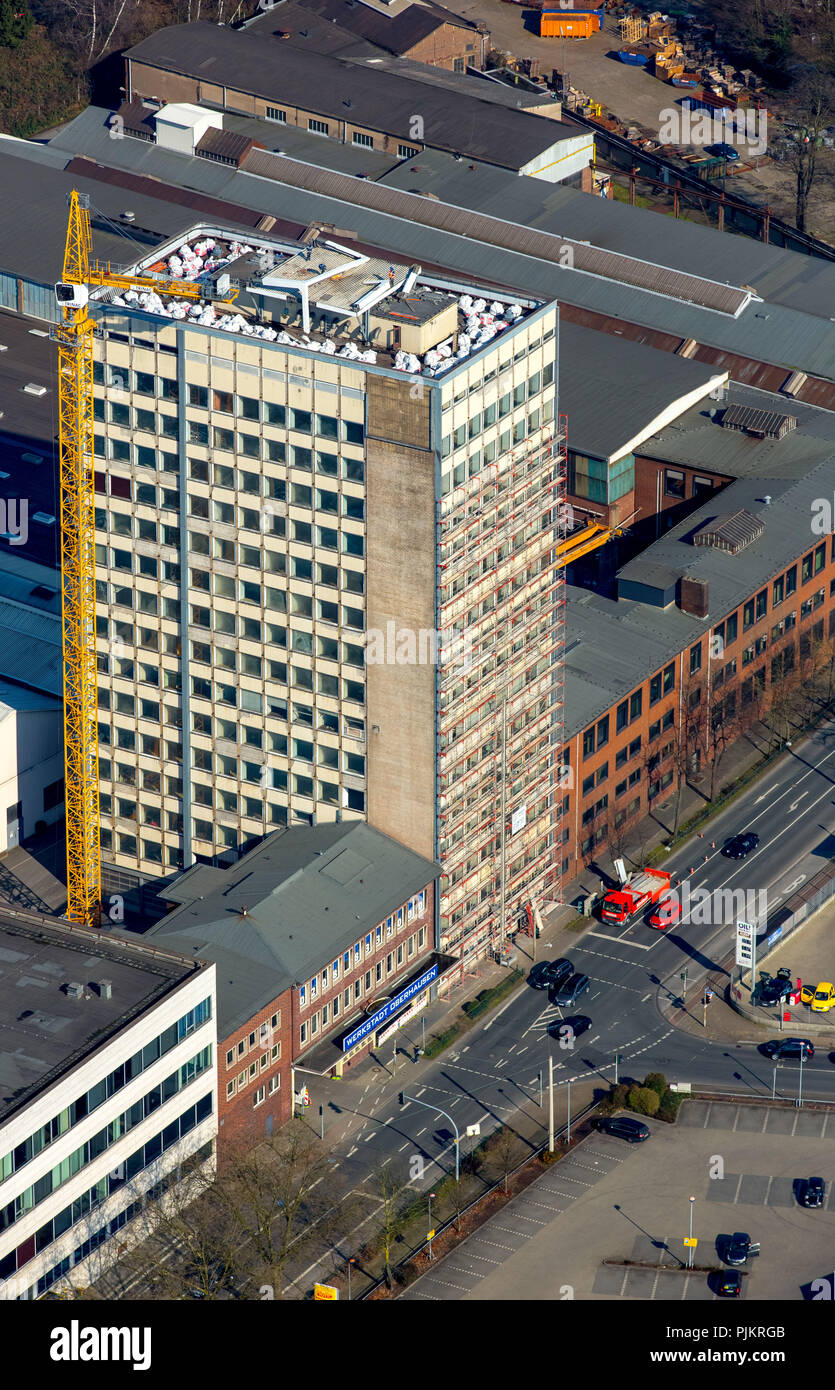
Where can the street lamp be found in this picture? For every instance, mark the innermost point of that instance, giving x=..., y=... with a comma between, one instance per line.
x=431, y=1195
x=350, y=1262
x=690, y=1246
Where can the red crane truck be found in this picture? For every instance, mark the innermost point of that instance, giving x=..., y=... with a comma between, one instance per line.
x=632, y=897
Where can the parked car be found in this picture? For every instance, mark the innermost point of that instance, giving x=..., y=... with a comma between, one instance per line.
x=807, y=993
x=724, y=149
x=570, y=990
x=774, y=991
x=624, y=1127
x=665, y=914
x=739, y=845
x=811, y=1192
x=824, y=998
x=550, y=973
x=789, y=1049
x=739, y=1248
x=728, y=1283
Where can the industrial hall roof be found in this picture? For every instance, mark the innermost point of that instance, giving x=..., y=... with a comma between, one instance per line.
x=348, y=91
x=397, y=28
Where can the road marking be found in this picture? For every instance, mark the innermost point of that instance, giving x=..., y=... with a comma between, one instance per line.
x=421, y=1091
x=796, y=803
x=351, y=1151
x=794, y=884
x=646, y=997
x=766, y=793
x=619, y=940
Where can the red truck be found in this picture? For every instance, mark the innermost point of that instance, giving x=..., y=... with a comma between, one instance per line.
x=632, y=897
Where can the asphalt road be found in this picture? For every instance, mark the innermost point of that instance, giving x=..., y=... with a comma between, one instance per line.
x=635, y=976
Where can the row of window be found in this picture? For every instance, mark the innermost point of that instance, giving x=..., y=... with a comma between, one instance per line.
x=463, y=389
x=96, y=1145
x=128, y=1169
x=251, y=1072
x=91, y=1099
x=320, y=1019
x=374, y=940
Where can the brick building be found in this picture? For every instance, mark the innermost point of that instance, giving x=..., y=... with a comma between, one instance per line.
x=383, y=109
x=311, y=932
x=414, y=29
x=710, y=627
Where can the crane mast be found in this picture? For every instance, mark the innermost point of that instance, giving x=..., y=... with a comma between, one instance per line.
x=74, y=335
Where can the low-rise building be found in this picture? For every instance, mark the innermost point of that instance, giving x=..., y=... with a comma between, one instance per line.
x=315, y=932
x=107, y=1095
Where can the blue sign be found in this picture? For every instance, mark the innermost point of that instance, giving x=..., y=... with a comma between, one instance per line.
x=388, y=1009
x=775, y=935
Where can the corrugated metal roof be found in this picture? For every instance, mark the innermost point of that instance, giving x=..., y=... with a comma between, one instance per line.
x=475, y=226
x=30, y=648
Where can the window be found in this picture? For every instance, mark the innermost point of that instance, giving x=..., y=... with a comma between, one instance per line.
x=635, y=704
x=318, y=127
x=761, y=603
x=603, y=731
x=673, y=483
x=275, y=113
x=777, y=591
x=806, y=568
x=731, y=629
x=622, y=715
x=695, y=658
x=407, y=151
x=791, y=581
x=588, y=742
x=360, y=138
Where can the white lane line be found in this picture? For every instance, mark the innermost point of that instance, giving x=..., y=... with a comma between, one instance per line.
x=638, y=945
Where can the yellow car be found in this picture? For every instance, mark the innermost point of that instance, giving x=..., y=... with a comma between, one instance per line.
x=824, y=999
x=807, y=994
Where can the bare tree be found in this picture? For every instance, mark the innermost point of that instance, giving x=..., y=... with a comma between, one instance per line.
x=814, y=113
x=389, y=1191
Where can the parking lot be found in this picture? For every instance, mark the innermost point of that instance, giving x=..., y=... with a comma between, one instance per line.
x=810, y=955
x=612, y=1201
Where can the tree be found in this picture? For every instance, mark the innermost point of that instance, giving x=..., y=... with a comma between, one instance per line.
x=389, y=1191
x=268, y=1194
x=644, y=1101
x=656, y=1081
x=15, y=23
x=814, y=114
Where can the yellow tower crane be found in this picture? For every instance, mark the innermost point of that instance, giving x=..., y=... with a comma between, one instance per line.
x=74, y=336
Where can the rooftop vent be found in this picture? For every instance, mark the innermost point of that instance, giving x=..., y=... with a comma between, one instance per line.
x=693, y=597
x=764, y=424
x=105, y=988
x=75, y=990
x=731, y=532
x=33, y=389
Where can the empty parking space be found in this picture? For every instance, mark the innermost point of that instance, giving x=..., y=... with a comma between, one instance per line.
x=611, y=1201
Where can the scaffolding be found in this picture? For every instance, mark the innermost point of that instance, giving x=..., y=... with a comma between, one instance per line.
x=500, y=585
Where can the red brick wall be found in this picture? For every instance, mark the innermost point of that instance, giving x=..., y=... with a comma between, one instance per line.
x=654, y=492
x=240, y=1123
x=388, y=984
x=816, y=626
x=447, y=43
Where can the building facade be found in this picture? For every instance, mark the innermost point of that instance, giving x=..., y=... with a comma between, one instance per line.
x=262, y=511
x=97, y=1131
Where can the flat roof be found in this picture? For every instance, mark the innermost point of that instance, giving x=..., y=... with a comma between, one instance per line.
x=44, y=1032
x=28, y=436
x=299, y=898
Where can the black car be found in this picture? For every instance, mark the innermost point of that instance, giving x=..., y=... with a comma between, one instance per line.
x=571, y=990
x=728, y=1283
x=740, y=845
x=548, y=974
x=811, y=1193
x=789, y=1049
x=774, y=991
x=624, y=1127
x=739, y=1248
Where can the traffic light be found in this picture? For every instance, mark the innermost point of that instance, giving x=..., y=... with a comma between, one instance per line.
x=400, y=1099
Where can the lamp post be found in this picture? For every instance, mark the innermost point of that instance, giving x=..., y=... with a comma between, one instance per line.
x=438, y=1111
x=350, y=1262
x=431, y=1195
x=690, y=1246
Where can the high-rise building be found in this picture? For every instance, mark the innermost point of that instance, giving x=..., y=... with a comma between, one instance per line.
x=325, y=569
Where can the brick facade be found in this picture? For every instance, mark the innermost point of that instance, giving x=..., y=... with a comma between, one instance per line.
x=264, y=1043
x=375, y=972
x=700, y=700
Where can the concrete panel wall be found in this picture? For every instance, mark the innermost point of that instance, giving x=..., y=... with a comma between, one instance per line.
x=400, y=597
